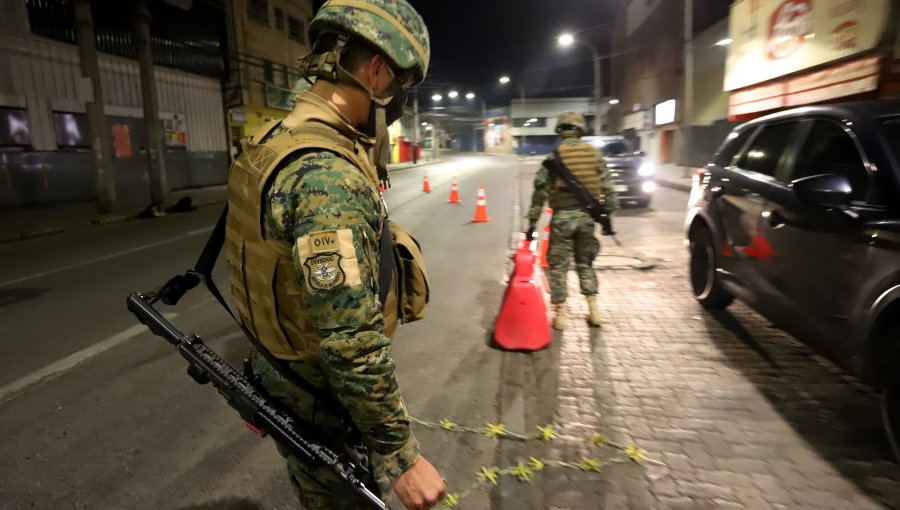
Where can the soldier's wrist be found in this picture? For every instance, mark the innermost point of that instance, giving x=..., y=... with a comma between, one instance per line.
x=399, y=461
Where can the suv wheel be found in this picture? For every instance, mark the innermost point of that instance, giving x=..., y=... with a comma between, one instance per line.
x=890, y=397
x=704, y=279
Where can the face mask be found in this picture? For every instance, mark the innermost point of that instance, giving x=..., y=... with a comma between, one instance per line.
x=390, y=103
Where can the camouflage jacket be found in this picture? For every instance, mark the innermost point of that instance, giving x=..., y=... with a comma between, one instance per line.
x=543, y=180
x=354, y=354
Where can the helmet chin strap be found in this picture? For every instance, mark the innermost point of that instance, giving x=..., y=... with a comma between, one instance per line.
x=328, y=66
x=382, y=146
x=381, y=150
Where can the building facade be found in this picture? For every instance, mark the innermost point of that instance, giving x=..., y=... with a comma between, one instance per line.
x=45, y=139
x=648, y=76
x=789, y=53
x=266, y=38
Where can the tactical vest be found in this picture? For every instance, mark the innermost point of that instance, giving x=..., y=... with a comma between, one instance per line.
x=262, y=276
x=581, y=158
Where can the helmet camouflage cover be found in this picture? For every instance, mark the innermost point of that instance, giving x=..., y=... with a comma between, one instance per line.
x=392, y=26
x=571, y=119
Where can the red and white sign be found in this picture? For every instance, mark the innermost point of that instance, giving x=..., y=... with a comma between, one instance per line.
x=851, y=78
x=789, y=26
x=774, y=38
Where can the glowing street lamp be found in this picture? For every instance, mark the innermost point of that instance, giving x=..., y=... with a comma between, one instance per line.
x=437, y=97
x=453, y=94
x=613, y=101
x=470, y=95
x=504, y=79
x=566, y=40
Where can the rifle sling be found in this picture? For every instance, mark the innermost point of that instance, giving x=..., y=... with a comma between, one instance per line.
x=207, y=261
x=562, y=171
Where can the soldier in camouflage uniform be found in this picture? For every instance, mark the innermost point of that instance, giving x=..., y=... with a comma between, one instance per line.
x=572, y=228
x=302, y=241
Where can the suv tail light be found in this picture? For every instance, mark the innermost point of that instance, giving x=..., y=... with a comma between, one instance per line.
x=698, y=177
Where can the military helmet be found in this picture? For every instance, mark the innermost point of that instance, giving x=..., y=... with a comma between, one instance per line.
x=392, y=26
x=571, y=119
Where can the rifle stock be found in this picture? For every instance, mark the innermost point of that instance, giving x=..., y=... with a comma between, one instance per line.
x=261, y=413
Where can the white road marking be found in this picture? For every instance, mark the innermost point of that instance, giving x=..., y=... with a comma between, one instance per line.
x=105, y=257
x=69, y=362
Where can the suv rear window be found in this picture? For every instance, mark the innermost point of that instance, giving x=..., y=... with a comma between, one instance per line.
x=892, y=133
x=767, y=147
x=830, y=150
x=731, y=146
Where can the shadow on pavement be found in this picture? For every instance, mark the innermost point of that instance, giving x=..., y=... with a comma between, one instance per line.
x=227, y=504
x=835, y=414
x=9, y=297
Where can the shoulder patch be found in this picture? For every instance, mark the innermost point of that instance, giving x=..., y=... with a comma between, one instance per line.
x=328, y=259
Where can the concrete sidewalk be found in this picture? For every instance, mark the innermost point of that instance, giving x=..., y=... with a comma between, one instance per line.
x=675, y=177
x=25, y=223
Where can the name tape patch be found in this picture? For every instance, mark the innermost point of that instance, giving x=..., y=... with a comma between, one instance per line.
x=325, y=241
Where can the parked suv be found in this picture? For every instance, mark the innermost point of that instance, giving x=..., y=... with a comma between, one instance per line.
x=799, y=217
x=631, y=172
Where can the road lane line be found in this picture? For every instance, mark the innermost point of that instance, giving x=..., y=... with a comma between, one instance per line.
x=16, y=387
x=105, y=257
x=69, y=362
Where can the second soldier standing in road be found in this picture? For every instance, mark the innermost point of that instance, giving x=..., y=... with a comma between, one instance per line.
x=572, y=228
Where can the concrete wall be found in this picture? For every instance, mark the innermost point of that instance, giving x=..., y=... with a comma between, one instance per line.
x=43, y=76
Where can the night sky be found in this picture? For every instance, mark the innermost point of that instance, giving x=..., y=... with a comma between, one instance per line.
x=474, y=42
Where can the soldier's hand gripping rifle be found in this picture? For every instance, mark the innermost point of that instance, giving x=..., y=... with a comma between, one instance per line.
x=262, y=414
x=588, y=201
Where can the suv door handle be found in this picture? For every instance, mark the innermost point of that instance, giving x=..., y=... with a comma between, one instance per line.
x=775, y=219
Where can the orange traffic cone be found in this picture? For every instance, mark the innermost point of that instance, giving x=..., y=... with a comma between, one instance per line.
x=522, y=323
x=481, y=207
x=454, y=193
x=426, y=186
x=545, y=240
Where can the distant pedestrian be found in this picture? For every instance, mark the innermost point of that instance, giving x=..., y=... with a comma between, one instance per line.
x=572, y=228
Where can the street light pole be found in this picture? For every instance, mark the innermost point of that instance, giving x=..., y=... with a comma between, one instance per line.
x=687, y=107
x=416, y=125
x=568, y=40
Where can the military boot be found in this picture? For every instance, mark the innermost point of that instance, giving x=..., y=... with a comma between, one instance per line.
x=594, y=313
x=559, y=316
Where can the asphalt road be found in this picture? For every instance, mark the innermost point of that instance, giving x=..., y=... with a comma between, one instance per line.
x=98, y=413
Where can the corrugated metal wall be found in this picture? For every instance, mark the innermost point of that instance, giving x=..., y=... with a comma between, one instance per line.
x=45, y=76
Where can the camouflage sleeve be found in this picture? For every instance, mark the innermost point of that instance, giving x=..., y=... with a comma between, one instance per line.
x=331, y=215
x=539, y=197
x=610, y=199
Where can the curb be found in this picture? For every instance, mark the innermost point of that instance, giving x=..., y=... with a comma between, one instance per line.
x=418, y=165
x=674, y=185
x=13, y=236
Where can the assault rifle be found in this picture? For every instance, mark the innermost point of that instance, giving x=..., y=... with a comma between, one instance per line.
x=588, y=201
x=260, y=413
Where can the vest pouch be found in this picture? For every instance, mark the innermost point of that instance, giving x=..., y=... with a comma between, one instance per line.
x=413, y=290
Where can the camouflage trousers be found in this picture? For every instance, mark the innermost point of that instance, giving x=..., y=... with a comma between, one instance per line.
x=316, y=486
x=572, y=236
